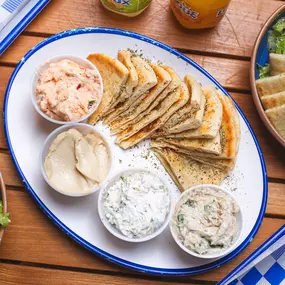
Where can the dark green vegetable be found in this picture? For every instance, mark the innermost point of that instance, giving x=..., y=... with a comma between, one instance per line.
x=180, y=218
x=190, y=203
x=264, y=71
x=4, y=218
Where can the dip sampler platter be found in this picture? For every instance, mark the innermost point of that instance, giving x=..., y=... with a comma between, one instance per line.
x=26, y=132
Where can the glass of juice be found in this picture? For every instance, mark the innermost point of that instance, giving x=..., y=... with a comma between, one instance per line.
x=199, y=14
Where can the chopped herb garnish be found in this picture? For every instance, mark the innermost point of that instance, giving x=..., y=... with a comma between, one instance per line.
x=190, y=203
x=120, y=161
x=264, y=71
x=180, y=218
x=124, y=178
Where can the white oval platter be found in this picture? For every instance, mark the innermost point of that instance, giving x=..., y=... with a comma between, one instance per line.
x=26, y=132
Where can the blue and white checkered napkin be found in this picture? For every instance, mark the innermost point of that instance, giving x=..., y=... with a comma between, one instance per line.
x=266, y=266
x=8, y=10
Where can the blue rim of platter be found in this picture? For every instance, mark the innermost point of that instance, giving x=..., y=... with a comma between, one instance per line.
x=77, y=238
x=38, y=7
x=263, y=247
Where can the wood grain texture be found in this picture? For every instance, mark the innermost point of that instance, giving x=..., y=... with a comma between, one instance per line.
x=17, y=274
x=235, y=35
x=32, y=237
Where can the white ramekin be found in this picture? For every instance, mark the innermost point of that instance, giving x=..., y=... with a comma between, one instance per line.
x=84, y=129
x=191, y=252
x=81, y=61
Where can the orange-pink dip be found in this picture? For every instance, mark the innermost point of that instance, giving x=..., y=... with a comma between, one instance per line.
x=66, y=91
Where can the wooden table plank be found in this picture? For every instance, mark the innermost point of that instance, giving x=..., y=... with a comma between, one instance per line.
x=235, y=35
x=230, y=73
x=17, y=274
x=32, y=237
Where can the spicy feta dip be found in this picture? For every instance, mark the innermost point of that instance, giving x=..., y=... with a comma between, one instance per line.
x=136, y=204
x=67, y=91
x=205, y=221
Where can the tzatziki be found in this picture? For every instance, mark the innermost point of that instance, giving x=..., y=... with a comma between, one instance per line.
x=136, y=204
x=205, y=221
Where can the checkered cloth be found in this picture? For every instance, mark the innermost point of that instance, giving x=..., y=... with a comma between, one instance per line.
x=8, y=10
x=267, y=268
x=271, y=270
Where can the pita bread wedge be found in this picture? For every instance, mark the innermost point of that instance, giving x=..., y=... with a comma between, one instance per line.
x=163, y=80
x=125, y=58
x=147, y=80
x=154, y=125
x=114, y=75
x=191, y=115
x=277, y=118
x=274, y=100
x=277, y=63
x=270, y=85
x=174, y=84
x=187, y=172
x=211, y=121
x=153, y=115
x=211, y=146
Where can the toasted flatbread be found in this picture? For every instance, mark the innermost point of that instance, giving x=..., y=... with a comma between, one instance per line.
x=147, y=79
x=187, y=172
x=163, y=80
x=277, y=63
x=211, y=121
x=277, y=118
x=152, y=116
x=125, y=58
x=191, y=113
x=211, y=146
x=174, y=84
x=157, y=123
x=193, y=121
x=274, y=100
x=270, y=85
x=114, y=75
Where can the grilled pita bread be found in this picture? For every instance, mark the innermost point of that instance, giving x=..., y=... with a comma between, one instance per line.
x=157, y=123
x=211, y=146
x=125, y=58
x=274, y=100
x=187, y=172
x=211, y=121
x=277, y=118
x=270, y=85
x=277, y=63
x=163, y=80
x=114, y=75
x=191, y=115
x=152, y=116
x=175, y=83
x=147, y=79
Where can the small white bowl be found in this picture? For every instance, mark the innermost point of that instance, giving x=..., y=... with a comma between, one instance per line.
x=81, y=61
x=115, y=231
x=239, y=218
x=84, y=129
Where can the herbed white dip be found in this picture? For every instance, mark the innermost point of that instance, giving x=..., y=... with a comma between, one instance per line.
x=205, y=220
x=137, y=204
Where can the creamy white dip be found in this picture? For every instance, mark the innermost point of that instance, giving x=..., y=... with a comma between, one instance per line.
x=205, y=220
x=137, y=204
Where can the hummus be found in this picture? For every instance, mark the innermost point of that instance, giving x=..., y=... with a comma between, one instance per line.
x=66, y=91
x=136, y=204
x=205, y=220
x=77, y=163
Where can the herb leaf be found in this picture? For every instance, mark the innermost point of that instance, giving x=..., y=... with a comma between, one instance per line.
x=180, y=218
x=264, y=71
x=190, y=203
